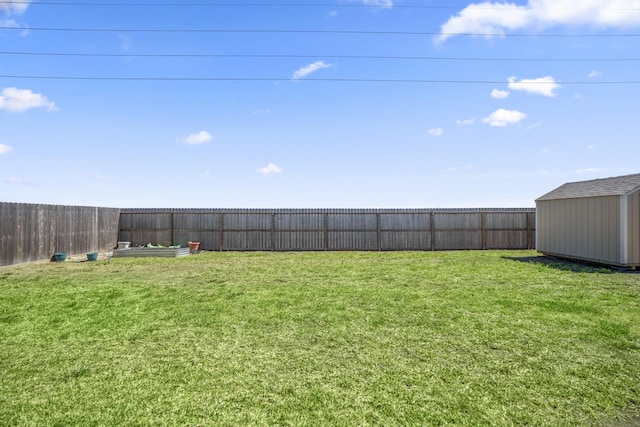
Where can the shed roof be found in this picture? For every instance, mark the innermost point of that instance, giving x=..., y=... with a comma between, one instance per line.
x=616, y=186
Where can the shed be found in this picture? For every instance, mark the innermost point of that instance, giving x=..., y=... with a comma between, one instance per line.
x=596, y=220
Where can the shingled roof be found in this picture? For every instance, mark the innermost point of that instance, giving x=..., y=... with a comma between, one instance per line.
x=617, y=186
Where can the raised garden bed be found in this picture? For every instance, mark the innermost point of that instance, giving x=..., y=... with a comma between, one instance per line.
x=151, y=252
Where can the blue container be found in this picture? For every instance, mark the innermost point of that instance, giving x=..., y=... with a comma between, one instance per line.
x=92, y=256
x=59, y=256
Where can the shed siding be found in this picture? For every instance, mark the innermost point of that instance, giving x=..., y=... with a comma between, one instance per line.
x=585, y=228
x=633, y=207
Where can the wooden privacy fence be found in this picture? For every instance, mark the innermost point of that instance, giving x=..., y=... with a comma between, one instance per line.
x=331, y=229
x=34, y=232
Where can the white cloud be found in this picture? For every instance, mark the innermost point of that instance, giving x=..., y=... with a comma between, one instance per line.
x=544, y=86
x=534, y=126
x=591, y=147
x=4, y=149
x=436, y=132
x=126, y=42
x=459, y=168
x=18, y=181
x=11, y=23
x=13, y=7
x=589, y=170
x=20, y=100
x=387, y=4
x=500, y=94
x=311, y=68
x=594, y=73
x=466, y=122
x=270, y=169
x=498, y=18
x=201, y=137
x=502, y=117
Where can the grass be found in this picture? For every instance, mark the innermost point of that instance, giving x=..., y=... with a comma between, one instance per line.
x=310, y=339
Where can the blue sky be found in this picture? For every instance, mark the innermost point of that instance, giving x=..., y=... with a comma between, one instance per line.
x=332, y=103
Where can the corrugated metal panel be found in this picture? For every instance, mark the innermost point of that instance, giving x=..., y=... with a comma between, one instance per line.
x=151, y=252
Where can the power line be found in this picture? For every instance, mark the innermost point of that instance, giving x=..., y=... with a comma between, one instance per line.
x=392, y=57
x=275, y=4
x=280, y=79
x=293, y=31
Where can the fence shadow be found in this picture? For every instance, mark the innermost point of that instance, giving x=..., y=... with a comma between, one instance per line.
x=564, y=264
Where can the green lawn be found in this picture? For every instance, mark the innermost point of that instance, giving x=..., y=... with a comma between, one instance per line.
x=337, y=338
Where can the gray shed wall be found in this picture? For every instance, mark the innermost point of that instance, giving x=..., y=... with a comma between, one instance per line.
x=590, y=228
x=633, y=228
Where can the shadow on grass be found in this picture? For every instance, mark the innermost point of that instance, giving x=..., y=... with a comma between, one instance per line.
x=565, y=265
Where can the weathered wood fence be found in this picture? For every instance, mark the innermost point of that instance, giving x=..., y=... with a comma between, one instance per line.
x=331, y=229
x=34, y=232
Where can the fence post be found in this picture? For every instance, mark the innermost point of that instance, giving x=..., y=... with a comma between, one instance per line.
x=221, y=243
x=483, y=230
x=378, y=237
x=273, y=231
x=171, y=229
x=325, y=239
x=432, y=231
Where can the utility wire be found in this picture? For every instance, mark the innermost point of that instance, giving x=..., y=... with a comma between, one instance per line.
x=241, y=55
x=262, y=31
x=274, y=4
x=347, y=80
